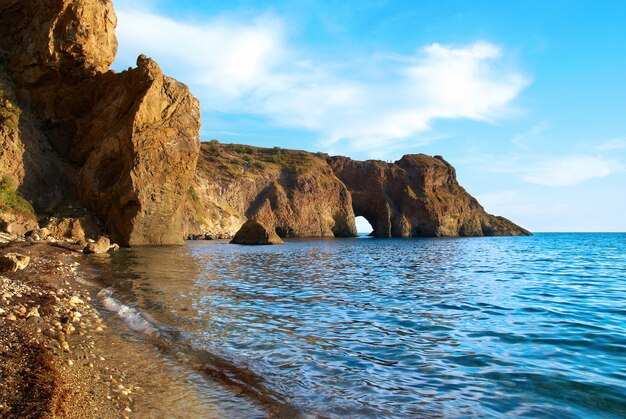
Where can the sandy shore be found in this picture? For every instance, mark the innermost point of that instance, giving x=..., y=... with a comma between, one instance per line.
x=50, y=365
x=58, y=357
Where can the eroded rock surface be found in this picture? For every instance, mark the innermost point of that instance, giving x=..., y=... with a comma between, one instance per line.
x=255, y=233
x=417, y=195
x=122, y=145
x=291, y=192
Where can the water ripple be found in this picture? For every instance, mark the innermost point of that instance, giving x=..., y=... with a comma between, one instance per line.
x=530, y=327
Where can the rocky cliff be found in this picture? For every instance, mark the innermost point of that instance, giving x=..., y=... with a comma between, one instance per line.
x=119, y=152
x=292, y=192
x=300, y=194
x=74, y=133
x=416, y=196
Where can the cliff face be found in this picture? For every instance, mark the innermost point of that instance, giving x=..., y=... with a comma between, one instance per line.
x=301, y=194
x=80, y=140
x=291, y=192
x=122, y=145
x=417, y=196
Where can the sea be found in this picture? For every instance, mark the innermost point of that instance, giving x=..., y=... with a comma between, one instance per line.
x=385, y=328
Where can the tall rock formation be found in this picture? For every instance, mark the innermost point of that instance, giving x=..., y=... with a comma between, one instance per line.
x=300, y=194
x=292, y=192
x=417, y=195
x=124, y=145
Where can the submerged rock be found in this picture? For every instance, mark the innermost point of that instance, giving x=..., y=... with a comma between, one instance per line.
x=12, y=262
x=255, y=233
x=103, y=245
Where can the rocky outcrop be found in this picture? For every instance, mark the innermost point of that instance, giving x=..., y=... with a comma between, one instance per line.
x=255, y=233
x=293, y=193
x=299, y=194
x=417, y=195
x=122, y=145
x=64, y=228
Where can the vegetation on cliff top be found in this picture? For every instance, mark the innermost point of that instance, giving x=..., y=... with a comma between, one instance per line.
x=232, y=160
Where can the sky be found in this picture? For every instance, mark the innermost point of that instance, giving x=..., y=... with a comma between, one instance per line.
x=525, y=98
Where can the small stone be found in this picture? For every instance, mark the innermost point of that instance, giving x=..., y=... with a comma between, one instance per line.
x=2, y=312
x=11, y=317
x=128, y=410
x=13, y=262
x=76, y=301
x=65, y=346
x=70, y=362
x=33, y=312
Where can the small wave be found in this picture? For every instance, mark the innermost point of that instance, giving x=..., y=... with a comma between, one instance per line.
x=132, y=317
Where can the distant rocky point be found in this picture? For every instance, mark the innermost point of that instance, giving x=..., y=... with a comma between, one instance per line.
x=119, y=154
x=301, y=194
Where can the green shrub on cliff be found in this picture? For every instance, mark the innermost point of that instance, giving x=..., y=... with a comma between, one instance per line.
x=9, y=198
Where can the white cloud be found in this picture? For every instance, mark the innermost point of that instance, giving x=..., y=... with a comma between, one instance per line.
x=568, y=171
x=248, y=67
x=522, y=139
x=517, y=205
x=556, y=171
x=615, y=144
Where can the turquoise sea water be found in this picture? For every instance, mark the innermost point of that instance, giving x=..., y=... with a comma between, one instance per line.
x=499, y=327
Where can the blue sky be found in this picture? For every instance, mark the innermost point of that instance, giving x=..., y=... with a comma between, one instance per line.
x=527, y=99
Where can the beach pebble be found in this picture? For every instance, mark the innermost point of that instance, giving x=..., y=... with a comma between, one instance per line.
x=70, y=362
x=33, y=312
x=76, y=301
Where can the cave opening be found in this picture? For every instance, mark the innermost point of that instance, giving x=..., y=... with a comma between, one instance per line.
x=363, y=226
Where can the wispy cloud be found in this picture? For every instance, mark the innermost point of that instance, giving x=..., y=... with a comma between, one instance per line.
x=614, y=144
x=249, y=67
x=515, y=204
x=522, y=139
x=553, y=171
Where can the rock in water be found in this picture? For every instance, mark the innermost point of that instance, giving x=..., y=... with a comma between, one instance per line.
x=417, y=195
x=255, y=233
x=13, y=262
x=101, y=246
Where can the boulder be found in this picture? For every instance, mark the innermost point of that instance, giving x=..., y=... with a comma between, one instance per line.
x=12, y=262
x=102, y=245
x=65, y=228
x=17, y=223
x=255, y=233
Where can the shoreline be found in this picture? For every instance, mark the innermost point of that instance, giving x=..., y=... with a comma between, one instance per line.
x=61, y=357
x=51, y=365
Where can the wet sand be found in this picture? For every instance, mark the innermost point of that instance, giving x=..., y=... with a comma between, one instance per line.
x=60, y=358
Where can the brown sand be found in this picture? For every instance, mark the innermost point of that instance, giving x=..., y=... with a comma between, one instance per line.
x=64, y=364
